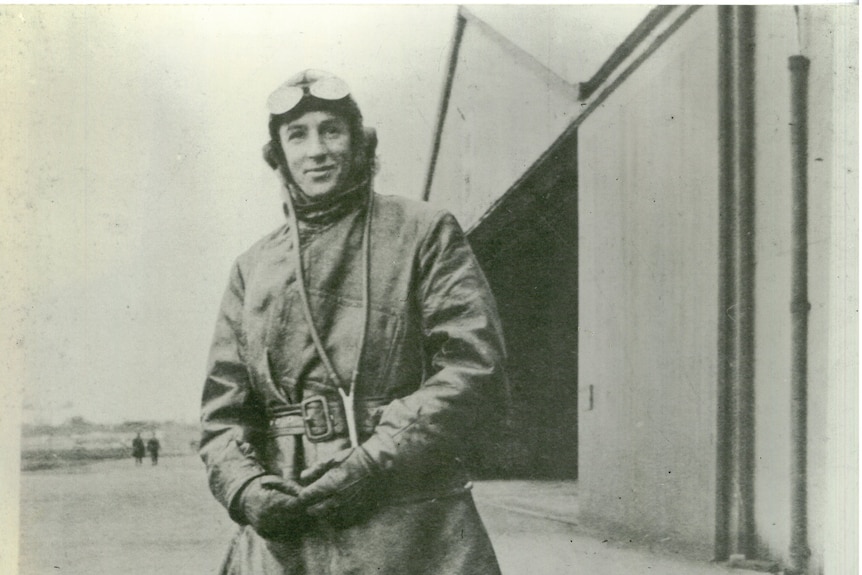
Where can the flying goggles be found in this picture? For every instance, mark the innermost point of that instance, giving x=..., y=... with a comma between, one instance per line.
x=308, y=83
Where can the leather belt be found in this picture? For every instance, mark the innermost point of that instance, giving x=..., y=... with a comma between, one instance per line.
x=320, y=418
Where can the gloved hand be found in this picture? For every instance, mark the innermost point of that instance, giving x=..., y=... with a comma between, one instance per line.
x=270, y=505
x=343, y=490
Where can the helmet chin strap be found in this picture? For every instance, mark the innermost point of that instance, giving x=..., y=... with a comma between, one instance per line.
x=348, y=395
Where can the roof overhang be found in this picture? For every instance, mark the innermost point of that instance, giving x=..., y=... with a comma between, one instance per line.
x=559, y=159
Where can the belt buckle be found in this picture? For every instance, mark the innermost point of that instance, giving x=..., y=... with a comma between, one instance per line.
x=307, y=419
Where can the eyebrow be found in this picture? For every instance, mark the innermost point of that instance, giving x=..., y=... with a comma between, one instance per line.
x=334, y=121
x=300, y=126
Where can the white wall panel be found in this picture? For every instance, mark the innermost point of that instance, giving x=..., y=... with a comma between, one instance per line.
x=776, y=41
x=648, y=240
x=820, y=33
x=502, y=116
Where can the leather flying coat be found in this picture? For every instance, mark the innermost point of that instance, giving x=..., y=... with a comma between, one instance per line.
x=432, y=360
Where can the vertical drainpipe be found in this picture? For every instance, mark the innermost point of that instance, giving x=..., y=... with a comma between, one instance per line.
x=744, y=543
x=727, y=283
x=800, y=307
x=735, y=537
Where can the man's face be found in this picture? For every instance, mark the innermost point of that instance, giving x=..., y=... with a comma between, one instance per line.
x=317, y=147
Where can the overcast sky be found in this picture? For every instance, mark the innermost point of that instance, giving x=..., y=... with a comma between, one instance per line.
x=132, y=178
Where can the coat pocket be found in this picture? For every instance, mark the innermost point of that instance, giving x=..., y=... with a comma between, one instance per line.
x=340, y=321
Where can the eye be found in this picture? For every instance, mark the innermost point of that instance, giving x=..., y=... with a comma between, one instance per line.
x=332, y=129
x=292, y=133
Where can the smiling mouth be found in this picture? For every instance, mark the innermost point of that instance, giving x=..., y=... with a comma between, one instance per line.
x=320, y=171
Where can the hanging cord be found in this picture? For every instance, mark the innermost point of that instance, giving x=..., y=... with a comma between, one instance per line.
x=347, y=397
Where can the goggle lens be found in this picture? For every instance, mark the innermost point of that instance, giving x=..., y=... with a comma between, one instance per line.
x=286, y=98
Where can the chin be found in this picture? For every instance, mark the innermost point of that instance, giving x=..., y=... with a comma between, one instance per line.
x=318, y=193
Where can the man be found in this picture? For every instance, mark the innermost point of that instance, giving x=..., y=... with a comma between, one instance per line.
x=153, y=447
x=138, y=449
x=356, y=348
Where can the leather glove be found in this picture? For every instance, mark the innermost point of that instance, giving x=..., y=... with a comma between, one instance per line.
x=343, y=490
x=270, y=505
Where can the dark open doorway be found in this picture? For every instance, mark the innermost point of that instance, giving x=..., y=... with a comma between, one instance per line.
x=528, y=249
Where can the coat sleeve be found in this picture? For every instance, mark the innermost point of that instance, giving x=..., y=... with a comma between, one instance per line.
x=464, y=356
x=230, y=418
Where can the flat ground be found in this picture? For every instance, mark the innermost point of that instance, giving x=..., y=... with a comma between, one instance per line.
x=113, y=518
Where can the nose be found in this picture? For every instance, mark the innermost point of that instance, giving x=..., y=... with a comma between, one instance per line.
x=316, y=145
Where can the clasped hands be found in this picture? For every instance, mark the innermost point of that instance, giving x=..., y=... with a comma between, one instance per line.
x=341, y=490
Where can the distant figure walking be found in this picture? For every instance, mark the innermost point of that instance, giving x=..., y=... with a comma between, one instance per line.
x=138, y=449
x=153, y=447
